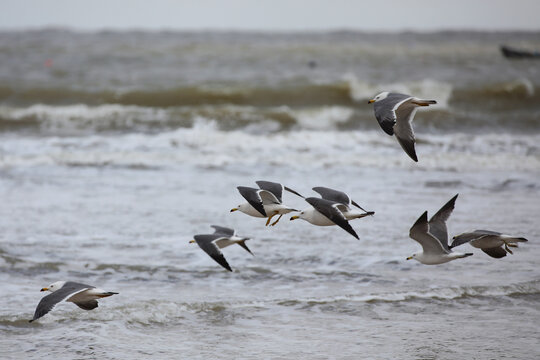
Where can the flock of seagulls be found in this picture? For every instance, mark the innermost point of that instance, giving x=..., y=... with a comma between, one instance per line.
x=395, y=113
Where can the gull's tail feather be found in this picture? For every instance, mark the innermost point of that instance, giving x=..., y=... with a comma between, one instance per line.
x=466, y=255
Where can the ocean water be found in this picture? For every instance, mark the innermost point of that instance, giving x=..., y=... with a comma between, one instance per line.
x=117, y=147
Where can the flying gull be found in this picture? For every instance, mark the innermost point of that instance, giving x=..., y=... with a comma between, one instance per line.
x=221, y=238
x=490, y=242
x=433, y=236
x=264, y=202
x=84, y=296
x=395, y=113
x=325, y=212
x=343, y=198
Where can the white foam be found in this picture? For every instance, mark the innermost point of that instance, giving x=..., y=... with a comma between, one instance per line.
x=74, y=118
x=206, y=145
x=322, y=118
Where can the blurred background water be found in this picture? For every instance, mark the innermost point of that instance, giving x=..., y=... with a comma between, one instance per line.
x=117, y=147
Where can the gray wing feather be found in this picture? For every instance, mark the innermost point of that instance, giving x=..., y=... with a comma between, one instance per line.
x=87, y=305
x=223, y=230
x=328, y=209
x=333, y=195
x=403, y=128
x=420, y=232
x=253, y=198
x=437, y=223
x=47, y=303
x=496, y=252
x=465, y=238
x=337, y=196
x=274, y=188
x=384, y=111
x=206, y=242
x=486, y=232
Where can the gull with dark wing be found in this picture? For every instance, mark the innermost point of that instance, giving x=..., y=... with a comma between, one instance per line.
x=84, y=296
x=395, y=113
x=326, y=213
x=343, y=198
x=493, y=243
x=221, y=238
x=265, y=202
x=433, y=236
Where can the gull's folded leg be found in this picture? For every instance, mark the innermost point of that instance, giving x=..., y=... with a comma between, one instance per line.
x=270, y=219
x=275, y=222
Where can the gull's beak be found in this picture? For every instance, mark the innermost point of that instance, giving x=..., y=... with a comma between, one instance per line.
x=233, y=209
x=409, y=258
x=294, y=217
x=371, y=101
x=191, y=241
x=44, y=289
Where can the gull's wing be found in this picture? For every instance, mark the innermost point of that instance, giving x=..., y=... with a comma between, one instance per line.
x=331, y=211
x=385, y=111
x=337, y=196
x=274, y=188
x=87, y=305
x=333, y=195
x=268, y=197
x=48, y=302
x=420, y=232
x=437, y=223
x=253, y=198
x=496, y=252
x=223, y=230
x=486, y=232
x=207, y=243
x=465, y=238
x=403, y=128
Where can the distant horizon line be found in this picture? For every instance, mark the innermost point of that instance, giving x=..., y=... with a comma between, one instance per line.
x=261, y=31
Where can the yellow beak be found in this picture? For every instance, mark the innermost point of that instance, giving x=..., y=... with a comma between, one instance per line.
x=44, y=289
x=371, y=101
x=233, y=209
x=191, y=241
x=294, y=217
x=409, y=258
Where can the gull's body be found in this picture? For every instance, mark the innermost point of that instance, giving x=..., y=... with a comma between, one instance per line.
x=433, y=236
x=84, y=296
x=493, y=243
x=395, y=113
x=221, y=238
x=325, y=212
x=264, y=202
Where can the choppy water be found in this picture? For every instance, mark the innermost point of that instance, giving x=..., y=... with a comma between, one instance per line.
x=115, y=148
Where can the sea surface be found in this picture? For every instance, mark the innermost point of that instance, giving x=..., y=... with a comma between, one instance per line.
x=117, y=147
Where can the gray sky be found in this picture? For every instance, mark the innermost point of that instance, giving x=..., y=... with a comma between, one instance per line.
x=271, y=15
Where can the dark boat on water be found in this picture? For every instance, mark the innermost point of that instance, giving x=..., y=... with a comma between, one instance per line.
x=512, y=53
